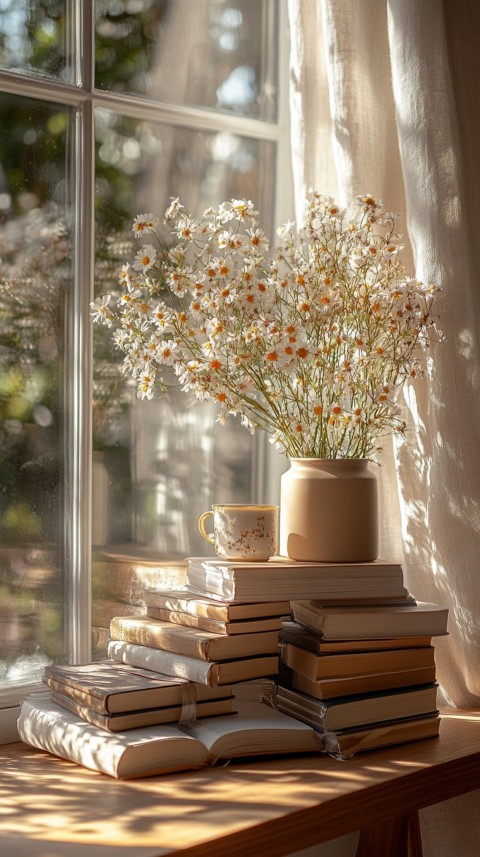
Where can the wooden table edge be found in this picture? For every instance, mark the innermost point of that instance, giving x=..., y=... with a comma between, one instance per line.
x=449, y=770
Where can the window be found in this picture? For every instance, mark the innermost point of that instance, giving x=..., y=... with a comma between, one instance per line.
x=108, y=109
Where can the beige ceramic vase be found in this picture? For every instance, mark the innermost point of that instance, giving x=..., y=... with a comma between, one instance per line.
x=329, y=511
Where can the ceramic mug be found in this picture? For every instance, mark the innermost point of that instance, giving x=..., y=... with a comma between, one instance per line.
x=242, y=532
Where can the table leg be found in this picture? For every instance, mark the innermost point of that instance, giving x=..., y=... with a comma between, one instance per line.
x=399, y=837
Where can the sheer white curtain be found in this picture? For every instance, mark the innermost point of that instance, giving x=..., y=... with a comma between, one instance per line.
x=385, y=99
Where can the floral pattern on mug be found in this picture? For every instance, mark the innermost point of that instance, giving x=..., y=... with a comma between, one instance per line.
x=243, y=532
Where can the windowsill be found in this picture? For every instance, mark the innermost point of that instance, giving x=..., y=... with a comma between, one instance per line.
x=12, y=697
x=8, y=724
x=130, y=552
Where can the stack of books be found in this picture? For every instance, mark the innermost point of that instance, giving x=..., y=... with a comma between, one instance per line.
x=117, y=697
x=169, y=693
x=218, y=641
x=223, y=626
x=363, y=676
x=163, y=700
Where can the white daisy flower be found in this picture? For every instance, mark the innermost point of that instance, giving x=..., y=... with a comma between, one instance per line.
x=145, y=258
x=100, y=311
x=144, y=223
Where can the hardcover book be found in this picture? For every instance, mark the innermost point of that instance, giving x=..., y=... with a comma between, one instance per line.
x=329, y=688
x=191, y=642
x=213, y=673
x=364, y=709
x=145, y=717
x=255, y=730
x=315, y=666
x=299, y=635
x=243, y=581
x=344, y=623
x=345, y=743
x=110, y=687
x=216, y=626
x=183, y=601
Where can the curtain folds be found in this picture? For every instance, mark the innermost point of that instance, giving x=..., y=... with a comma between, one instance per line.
x=384, y=100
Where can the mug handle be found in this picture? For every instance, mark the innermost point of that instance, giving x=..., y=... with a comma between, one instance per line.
x=209, y=537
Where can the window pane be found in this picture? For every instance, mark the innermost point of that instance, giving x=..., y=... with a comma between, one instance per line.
x=208, y=53
x=35, y=273
x=33, y=37
x=159, y=464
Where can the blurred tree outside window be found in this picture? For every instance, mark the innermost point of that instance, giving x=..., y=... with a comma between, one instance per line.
x=184, y=101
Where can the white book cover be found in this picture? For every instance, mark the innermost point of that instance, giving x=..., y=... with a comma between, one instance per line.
x=196, y=670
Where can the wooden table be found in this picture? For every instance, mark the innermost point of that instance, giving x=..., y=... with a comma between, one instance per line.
x=269, y=807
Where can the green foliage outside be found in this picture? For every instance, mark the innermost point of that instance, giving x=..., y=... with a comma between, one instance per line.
x=35, y=285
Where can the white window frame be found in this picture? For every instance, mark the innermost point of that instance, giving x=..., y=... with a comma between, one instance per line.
x=85, y=99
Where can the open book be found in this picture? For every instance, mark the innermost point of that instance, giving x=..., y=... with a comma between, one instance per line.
x=257, y=729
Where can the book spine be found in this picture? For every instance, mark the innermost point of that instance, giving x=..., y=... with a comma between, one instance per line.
x=316, y=719
x=302, y=640
x=313, y=618
x=83, y=711
x=96, y=703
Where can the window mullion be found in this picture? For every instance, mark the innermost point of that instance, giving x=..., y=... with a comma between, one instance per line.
x=268, y=463
x=78, y=500
x=85, y=42
x=283, y=179
x=183, y=115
